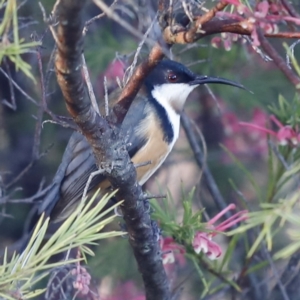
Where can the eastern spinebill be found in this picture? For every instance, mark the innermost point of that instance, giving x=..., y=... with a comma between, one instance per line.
x=152, y=126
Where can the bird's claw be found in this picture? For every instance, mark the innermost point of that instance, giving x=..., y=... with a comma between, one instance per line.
x=156, y=230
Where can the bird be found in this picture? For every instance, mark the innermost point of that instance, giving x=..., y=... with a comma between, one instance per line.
x=150, y=127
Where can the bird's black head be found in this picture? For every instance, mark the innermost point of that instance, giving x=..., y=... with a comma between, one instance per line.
x=169, y=71
x=170, y=83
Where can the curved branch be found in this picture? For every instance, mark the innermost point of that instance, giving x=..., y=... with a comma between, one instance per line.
x=134, y=84
x=215, y=26
x=191, y=35
x=108, y=148
x=291, y=10
x=278, y=60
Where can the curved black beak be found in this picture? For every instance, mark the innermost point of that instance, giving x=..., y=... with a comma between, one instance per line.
x=207, y=79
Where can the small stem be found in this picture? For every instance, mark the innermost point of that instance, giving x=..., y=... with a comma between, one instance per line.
x=263, y=129
x=278, y=60
x=209, y=180
x=290, y=8
x=222, y=213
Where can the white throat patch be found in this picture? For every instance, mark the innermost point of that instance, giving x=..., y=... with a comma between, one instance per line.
x=172, y=96
x=174, y=93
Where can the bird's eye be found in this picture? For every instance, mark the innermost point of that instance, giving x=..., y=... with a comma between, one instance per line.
x=172, y=77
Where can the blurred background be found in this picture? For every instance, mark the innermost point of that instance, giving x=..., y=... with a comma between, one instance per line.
x=216, y=110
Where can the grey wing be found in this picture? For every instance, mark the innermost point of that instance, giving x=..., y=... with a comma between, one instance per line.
x=78, y=163
x=70, y=179
x=131, y=125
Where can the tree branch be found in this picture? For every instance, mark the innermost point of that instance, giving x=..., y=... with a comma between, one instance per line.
x=190, y=35
x=291, y=10
x=208, y=16
x=108, y=148
x=134, y=84
x=215, y=26
x=278, y=60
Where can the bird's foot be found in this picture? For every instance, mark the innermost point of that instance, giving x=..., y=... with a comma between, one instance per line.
x=157, y=232
x=118, y=212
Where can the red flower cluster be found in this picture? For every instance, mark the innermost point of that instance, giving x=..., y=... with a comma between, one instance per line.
x=286, y=135
x=171, y=251
x=82, y=280
x=226, y=40
x=203, y=240
x=265, y=16
x=243, y=141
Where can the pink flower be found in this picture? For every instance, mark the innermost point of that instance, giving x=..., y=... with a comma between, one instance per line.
x=171, y=251
x=265, y=16
x=113, y=71
x=244, y=142
x=226, y=40
x=203, y=242
x=285, y=135
x=82, y=280
x=172, y=256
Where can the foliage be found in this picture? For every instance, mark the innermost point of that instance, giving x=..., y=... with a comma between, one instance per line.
x=266, y=181
x=276, y=213
x=166, y=214
x=288, y=112
x=84, y=227
x=9, y=30
x=185, y=233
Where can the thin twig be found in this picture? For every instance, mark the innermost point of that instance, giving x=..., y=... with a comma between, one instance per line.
x=190, y=35
x=133, y=86
x=87, y=185
x=278, y=60
x=92, y=20
x=22, y=4
x=130, y=69
x=38, y=195
x=106, y=104
x=112, y=15
x=290, y=276
x=89, y=84
x=19, y=88
x=290, y=8
x=56, y=290
x=292, y=47
x=278, y=154
x=28, y=167
x=12, y=104
x=49, y=70
x=4, y=199
x=187, y=11
x=40, y=113
x=191, y=46
x=209, y=180
x=62, y=121
x=196, y=62
x=275, y=272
